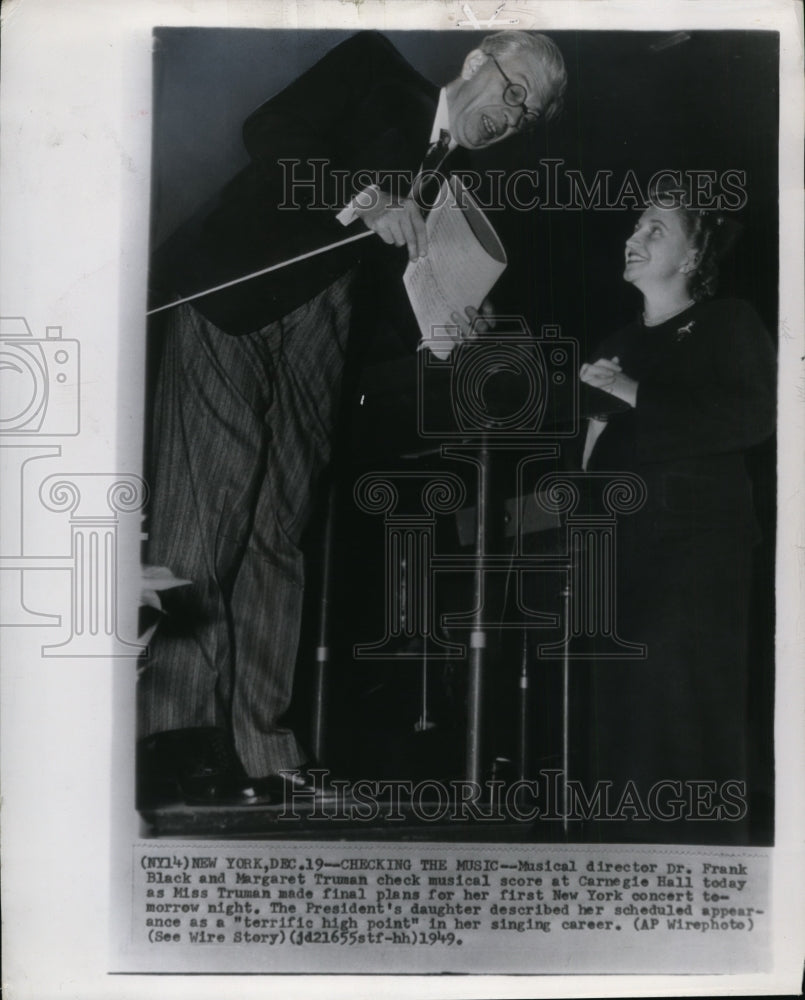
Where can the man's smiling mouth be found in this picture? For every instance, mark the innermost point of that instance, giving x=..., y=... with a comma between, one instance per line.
x=490, y=128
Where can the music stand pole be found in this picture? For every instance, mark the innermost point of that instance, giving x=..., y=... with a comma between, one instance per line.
x=319, y=722
x=566, y=704
x=477, y=655
x=522, y=743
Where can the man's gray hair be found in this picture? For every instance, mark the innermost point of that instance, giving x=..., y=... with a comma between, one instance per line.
x=549, y=73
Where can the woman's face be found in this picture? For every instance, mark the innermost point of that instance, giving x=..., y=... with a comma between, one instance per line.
x=659, y=250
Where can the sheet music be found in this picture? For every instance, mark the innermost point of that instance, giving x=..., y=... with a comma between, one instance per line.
x=464, y=260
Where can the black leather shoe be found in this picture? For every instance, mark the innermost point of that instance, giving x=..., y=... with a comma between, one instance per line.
x=306, y=783
x=196, y=766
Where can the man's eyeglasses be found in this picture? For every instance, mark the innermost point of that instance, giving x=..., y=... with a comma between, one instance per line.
x=514, y=94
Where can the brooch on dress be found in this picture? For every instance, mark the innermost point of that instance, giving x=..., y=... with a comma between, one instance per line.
x=683, y=331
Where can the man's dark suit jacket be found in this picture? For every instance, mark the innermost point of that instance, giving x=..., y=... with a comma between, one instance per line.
x=364, y=111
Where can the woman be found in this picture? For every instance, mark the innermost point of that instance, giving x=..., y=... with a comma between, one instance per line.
x=698, y=377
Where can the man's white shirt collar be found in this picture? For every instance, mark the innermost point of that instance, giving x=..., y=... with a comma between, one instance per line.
x=442, y=120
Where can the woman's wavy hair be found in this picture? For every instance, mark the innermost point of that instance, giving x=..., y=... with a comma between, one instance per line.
x=710, y=232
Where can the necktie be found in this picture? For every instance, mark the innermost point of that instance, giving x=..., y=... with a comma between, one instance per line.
x=426, y=186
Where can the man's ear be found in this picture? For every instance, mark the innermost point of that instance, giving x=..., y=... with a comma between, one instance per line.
x=473, y=62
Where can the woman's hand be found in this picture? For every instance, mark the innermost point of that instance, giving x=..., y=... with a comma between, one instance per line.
x=607, y=374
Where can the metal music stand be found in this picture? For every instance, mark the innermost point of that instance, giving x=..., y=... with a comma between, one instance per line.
x=386, y=399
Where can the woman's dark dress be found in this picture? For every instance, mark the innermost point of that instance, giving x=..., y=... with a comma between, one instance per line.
x=706, y=394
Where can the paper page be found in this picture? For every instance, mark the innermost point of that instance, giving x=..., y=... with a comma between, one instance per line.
x=464, y=260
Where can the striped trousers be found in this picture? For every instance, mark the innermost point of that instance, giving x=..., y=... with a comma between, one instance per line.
x=242, y=430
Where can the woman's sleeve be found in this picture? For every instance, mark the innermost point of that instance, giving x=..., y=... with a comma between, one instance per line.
x=723, y=399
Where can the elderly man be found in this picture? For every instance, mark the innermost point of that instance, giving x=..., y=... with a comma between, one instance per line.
x=250, y=378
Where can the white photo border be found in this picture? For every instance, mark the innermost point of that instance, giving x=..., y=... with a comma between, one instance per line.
x=75, y=99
